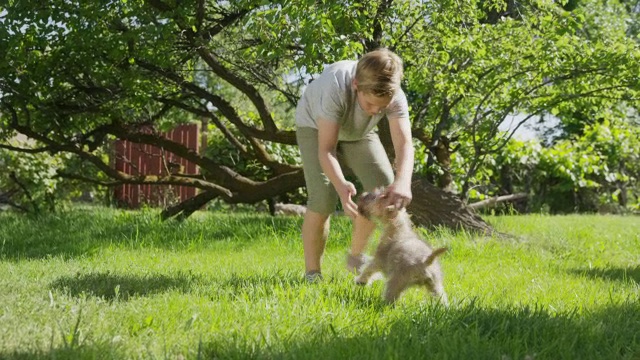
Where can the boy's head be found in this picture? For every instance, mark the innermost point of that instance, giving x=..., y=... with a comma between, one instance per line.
x=379, y=73
x=378, y=77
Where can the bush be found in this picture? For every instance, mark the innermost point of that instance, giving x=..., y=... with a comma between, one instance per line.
x=31, y=182
x=596, y=171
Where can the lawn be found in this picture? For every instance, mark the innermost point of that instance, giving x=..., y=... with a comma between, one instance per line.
x=100, y=283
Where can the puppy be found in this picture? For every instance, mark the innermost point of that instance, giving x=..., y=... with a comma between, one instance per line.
x=402, y=256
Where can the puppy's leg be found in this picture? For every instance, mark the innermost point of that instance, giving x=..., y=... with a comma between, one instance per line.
x=396, y=284
x=369, y=269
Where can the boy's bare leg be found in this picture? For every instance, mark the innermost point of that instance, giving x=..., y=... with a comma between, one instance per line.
x=315, y=229
x=362, y=230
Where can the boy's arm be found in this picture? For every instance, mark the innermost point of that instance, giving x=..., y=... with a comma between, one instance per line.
x=327, y=143
x=399, y=192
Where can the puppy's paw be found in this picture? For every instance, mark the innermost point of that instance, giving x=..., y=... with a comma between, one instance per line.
x=360, y=281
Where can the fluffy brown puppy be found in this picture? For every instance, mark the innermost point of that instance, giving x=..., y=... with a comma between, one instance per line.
x=402, y=256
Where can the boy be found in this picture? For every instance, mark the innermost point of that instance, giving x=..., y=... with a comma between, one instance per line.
x=335, y=119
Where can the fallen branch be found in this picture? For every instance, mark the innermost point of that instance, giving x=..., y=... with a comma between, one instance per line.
x=184, y=209
x=497, y=199
x=290, y=209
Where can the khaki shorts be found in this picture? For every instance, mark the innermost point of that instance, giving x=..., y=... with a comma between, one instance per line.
x=366, y=158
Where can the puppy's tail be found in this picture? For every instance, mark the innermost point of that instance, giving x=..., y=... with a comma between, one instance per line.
x=432, y=257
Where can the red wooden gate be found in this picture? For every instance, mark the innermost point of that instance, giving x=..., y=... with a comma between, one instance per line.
x=141, y=159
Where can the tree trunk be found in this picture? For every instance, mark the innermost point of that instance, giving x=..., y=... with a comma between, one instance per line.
x=385, y=138
x=443, y=155
x=432, y=207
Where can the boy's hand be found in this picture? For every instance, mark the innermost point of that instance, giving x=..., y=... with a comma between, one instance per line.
x=346, y=190
x=399, y=195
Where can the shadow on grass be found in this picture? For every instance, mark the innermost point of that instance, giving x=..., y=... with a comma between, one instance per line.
x=111, y=286
x=468, y=332
x=612, y=274
x=75, y=233
x=248, y=287
x=78, y=352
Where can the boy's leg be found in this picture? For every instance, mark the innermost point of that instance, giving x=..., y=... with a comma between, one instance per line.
x=369, y=162
x=321, y=200
x=315, y=229
x=362, y=230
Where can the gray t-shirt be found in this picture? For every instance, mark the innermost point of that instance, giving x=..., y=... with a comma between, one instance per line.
x=332, y=97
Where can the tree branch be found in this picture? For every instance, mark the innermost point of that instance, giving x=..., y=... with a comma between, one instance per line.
x=260, y=152
x=283, y=137
x=216, y=121
x=189, y=206
x=27, y=150
x=26, y=191
x=239, y=83
x=86, y=179
x=376, y=37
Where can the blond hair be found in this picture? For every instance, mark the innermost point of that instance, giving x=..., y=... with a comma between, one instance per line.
x=379, y=73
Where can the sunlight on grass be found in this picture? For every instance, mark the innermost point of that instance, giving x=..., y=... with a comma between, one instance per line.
x=112, y=284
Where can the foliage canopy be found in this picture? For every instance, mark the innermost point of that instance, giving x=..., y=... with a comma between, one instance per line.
x=78, y=74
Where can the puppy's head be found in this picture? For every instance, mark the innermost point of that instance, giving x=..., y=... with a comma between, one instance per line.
x=374, y=205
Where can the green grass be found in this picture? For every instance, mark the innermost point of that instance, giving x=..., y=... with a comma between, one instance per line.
x=109, y=284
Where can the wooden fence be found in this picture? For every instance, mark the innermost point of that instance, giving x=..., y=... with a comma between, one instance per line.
x=141, y=159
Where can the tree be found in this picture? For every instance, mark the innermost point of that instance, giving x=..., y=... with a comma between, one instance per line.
x=78, y=74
